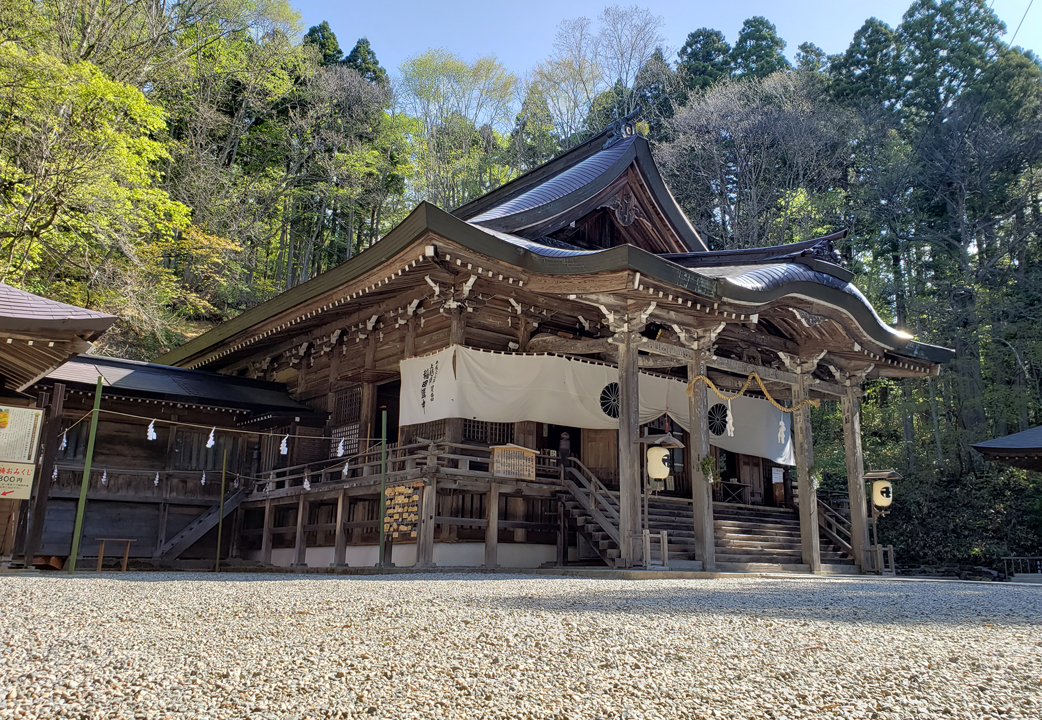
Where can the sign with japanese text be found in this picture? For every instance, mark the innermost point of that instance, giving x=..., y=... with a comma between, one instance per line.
x=19, y=434
x=16, y=480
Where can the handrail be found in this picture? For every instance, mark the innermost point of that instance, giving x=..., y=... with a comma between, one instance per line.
x=1022, y=565
x=836, y=527
x=594, y=497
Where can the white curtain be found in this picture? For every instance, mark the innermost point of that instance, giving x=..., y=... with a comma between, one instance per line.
x=461, y=382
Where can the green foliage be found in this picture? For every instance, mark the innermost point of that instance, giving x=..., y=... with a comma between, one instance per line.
x=363, y=60
x=704, y=59
x=323, y=39
x=758, y=51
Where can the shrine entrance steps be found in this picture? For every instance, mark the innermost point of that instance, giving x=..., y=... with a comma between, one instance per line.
x=748, y=538
x=757, y=539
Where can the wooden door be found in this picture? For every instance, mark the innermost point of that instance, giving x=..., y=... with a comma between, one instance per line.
x=600, y=453
x=751, y=474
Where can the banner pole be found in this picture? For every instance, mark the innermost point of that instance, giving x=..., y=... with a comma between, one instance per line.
x=220, y=516
x=78, y=527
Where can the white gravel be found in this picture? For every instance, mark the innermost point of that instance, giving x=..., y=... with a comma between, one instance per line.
x=140, y=645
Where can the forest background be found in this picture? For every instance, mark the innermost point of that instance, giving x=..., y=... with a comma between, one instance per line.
x=176, y=162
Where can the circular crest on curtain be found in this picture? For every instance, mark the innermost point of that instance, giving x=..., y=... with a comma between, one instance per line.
x=717, y=417
x=610, y=400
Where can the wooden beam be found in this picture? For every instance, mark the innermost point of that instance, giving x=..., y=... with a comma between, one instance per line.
x=632, y=544
x=769, y=373
x=808, y=497
x=859, y=540
x=301, y=549
x=425, y=534
x=492, y=529
x=701, y=486
x=340, y=546
x=266, y=537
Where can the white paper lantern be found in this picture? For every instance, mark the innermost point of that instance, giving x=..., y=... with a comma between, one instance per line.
x=882, y=493
x=658, y=463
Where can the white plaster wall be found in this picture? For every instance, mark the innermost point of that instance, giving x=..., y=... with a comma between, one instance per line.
x=511, y=555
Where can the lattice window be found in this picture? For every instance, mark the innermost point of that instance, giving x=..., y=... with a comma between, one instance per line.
x=433, y=431
x=489, y=433
x=347, y=420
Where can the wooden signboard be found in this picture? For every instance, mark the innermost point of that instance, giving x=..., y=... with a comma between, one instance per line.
x=16, y=480
x=513, y=461
x=19, y=434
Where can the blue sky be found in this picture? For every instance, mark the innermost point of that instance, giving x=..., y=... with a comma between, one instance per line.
x=520, y=32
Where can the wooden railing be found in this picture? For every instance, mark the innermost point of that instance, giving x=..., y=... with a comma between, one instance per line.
x=836, y=527
x=1022, y=565
x=593, y=496
x=838, y=500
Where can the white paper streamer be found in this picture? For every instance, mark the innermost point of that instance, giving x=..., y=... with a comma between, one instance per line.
x=151, y=432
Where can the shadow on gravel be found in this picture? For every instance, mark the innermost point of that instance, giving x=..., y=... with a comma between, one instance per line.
x=858, y=601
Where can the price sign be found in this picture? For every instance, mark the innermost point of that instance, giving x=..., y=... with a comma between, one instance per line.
x=16, y=480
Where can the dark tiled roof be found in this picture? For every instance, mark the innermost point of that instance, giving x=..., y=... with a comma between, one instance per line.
x=568, y=181
x=1026, y=440
x=177, y=384
x=21, y=311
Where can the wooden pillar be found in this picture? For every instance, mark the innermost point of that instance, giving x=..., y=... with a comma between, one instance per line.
x=701, y=486
x=233, y=550
x=629, y=458
x=492, y=529
x=855, y=475
x=43, y=483
x=368, y=402
x=340, y=548
x=301, y=549
x=562, y=535
x=266, y=533
x=164, y=513
x=425, y=536
x=410, y=337
x=806, y=492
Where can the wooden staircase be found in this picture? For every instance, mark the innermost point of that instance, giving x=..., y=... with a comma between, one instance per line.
x=757, y=539
x=748, y=538
x=195, y=530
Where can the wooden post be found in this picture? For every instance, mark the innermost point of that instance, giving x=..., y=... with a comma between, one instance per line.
x=701, y=486
x=410, y=337
x=43, y=484
x=629, y=459
x=457, y=336
x=492, y=529
x=233, y=549
x=383, y=554
x=340, y=549
x=425, y=536
x=368, y=400
x=266, y=533
x=806, y=492
x=855, y=475
x=85, y=482
x=301, y=549
x=220, y=511
x=562, y=535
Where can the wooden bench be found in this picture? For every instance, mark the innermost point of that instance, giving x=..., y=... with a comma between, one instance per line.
x=126, y=550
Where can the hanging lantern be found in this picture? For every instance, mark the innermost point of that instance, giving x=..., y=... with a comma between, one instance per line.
x=209, y=440
x=104, y=477
x=882, y=493
x=284, y=447
x=151, y=432
x=203, y=481
x=340, y=448
x=156, y=481
x=658, y=462
x=64, y=440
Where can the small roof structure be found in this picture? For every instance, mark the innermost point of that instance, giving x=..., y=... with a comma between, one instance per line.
x=37, y=335
x=141, y=380
x=1022, y=449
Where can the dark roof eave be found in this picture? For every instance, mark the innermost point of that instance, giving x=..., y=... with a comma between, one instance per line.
x=428, y=218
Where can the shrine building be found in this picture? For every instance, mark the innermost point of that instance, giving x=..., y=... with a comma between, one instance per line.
x=525, y=351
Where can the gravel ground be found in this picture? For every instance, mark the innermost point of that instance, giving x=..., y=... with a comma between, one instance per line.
x=147, y=645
